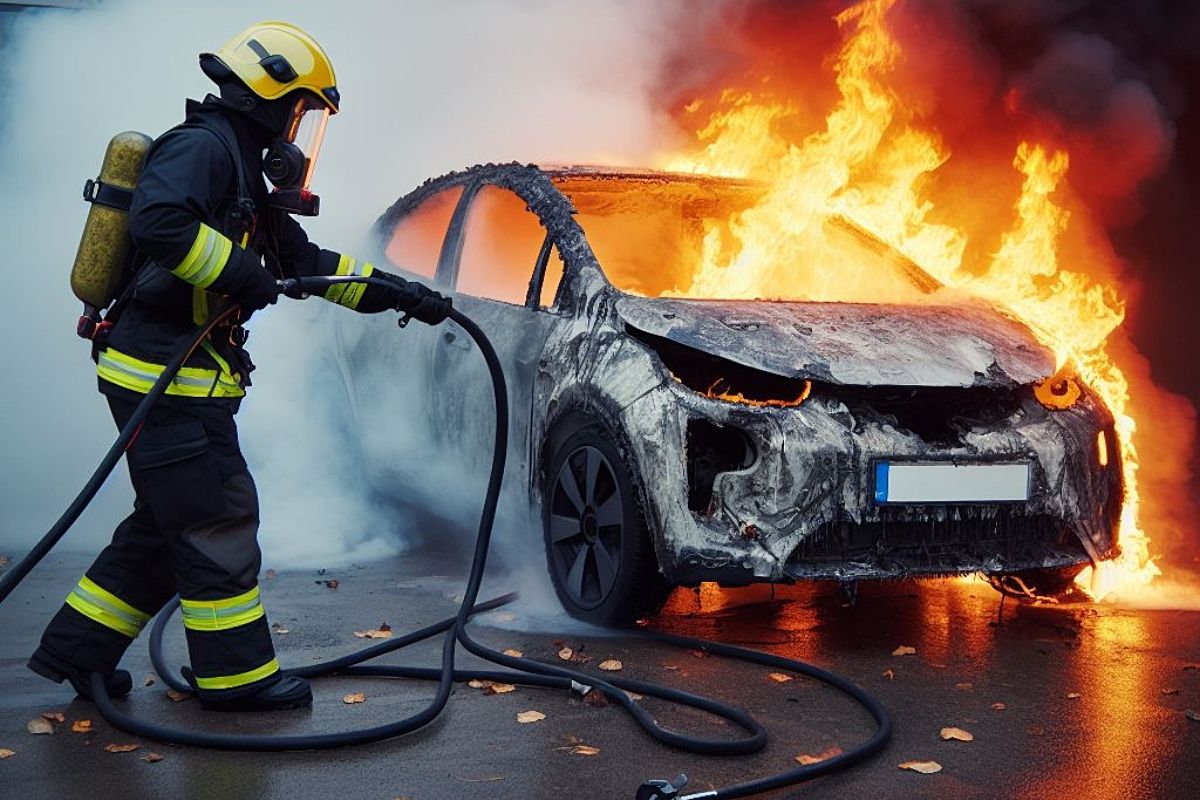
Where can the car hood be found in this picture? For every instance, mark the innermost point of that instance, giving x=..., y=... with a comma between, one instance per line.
x=850, y=343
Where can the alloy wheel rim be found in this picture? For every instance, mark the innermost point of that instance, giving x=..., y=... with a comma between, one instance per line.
x=587, y=516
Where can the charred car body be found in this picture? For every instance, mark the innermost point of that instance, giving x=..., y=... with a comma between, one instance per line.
x=668, y=441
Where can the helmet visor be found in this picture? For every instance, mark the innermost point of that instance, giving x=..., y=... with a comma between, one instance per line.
x=307, y=132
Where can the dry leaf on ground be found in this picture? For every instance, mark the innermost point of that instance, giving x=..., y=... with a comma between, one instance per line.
x=611, y=665
x=956, y=735
x=151, y=758
x=1036, y=730
x=566, y=653
x=39, y=727
x=279, y=629
x=374, y=633
x=923, y=767
x=998, y=706
x=806, y=759
x=332, y=584
x=353, y=698
x=150, y=680
x=513, y=653
x=671, y=667
x=178, y=696
x=525, y=717
x=6, y=753
x=499, y=688
x=585, y=750
x=121, y=748
x=632, y=695
x=964, y=686
x=1192, y=715
x=270, y=574
x=780, y=677
x=82, y=726
x=54, y=716
x=595, y=698
x=904, y=650
x=1073, y=695
x=890, y=674
x=475, y=683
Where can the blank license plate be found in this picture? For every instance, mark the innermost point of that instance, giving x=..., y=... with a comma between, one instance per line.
x=951, y=483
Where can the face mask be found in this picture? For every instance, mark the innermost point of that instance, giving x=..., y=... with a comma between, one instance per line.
x=292, y=157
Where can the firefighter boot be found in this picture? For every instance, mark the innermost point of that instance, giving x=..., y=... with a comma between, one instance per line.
x=118, y=684
x=287, y=692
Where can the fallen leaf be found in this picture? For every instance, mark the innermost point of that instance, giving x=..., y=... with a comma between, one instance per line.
x=956, y=735
x=633, y=695
x=81, y=726
x=513, y=653
x=964, y=686
x=1073, y=695
x=4, y=561
x=698, y=653
x=54, y=716
x=525, y=717
x=499, y=688
x=1192, y=715
x=151, y=758
x=780, y=677
x=581, y=749
x=596, y=699
x=270, y=574
x=150, y=680
x=475, y=683
x=332, y=584
x=905, y=650
x=924, y=767
x=39, y=727
x=178, y=696
x=670, y=667
x=279, y=629
x=611, y=665
x=6, y=753
x=374, y=633
x=890, y=674
x=352, y=699
x=1170, y=692
x=383, y=626
x=806, y=759
x=121, y=748
x=1036, y=730
x=566, y=653
x=998, y=706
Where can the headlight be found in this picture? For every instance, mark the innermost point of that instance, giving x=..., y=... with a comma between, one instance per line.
x=1058, y=392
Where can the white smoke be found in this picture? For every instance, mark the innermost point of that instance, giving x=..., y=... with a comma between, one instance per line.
x=427, y=87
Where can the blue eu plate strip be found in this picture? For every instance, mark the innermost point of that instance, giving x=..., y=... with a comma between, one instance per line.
x=881, y=482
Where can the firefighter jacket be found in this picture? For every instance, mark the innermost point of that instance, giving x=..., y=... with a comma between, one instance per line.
x=201, y=225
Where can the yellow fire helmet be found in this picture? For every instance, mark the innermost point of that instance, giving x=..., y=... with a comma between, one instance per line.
x=274, y=58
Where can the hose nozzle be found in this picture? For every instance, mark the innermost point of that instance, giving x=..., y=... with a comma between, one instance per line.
x=658, y=789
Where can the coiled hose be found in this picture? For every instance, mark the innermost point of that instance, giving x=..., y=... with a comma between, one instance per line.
x=454, y=632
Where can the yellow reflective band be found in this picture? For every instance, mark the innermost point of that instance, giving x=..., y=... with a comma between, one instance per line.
x=207, y=257
x=220, y=615
x=105, y=608
x=348, y=294
x=139, y=376
x=241, y=679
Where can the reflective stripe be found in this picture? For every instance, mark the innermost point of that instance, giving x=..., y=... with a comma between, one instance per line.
x=348, y=294
x=241, y=679
x=139, y=376
x=208, y=256
x=106, y=608
x=220, y=615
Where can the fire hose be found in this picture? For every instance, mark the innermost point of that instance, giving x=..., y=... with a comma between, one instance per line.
x=454, y=631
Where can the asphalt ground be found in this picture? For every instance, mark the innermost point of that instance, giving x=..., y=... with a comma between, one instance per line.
x=1094, y=697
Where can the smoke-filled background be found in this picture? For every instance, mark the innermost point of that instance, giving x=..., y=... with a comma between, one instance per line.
x=432, y=86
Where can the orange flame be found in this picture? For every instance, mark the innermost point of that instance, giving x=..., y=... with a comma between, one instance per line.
x=871, y=162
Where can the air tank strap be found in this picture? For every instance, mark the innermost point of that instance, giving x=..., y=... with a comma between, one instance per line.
x=106, y=194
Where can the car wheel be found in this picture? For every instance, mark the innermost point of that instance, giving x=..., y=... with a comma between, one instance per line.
x=598, y=548
x=1053, y=583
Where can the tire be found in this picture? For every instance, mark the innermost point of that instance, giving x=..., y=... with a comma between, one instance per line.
x=1053, y=583
x=598, y=548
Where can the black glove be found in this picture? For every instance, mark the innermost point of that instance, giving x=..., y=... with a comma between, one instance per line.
x=257, y=291
x=415, y=299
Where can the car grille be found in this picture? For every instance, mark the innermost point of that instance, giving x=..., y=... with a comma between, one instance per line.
x=939, y=539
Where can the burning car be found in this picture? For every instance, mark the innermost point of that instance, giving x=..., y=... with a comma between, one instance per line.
x=665, y=440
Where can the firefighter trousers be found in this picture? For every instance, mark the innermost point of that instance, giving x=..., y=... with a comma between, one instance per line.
x=193, y=531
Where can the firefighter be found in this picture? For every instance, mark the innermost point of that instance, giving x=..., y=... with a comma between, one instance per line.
x=205, y=228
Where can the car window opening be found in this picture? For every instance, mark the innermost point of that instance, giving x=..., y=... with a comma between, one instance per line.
x=501, y=242
x=416, y=239
x=654, y=238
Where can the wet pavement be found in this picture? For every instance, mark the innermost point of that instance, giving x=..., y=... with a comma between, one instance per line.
x=1093, y=698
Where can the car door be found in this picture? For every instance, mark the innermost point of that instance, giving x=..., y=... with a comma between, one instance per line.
x=495, y=255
